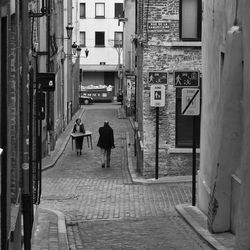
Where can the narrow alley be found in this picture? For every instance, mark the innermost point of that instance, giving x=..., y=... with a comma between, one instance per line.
x=104, y=209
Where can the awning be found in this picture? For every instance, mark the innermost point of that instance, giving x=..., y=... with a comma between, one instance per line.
x=99, y=68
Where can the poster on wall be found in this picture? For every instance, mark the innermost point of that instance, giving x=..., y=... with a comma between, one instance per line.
x=130, y=90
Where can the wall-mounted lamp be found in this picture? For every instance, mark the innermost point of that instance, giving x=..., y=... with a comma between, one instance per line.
x=69, y=29
x=86, y=52
x=76, y=49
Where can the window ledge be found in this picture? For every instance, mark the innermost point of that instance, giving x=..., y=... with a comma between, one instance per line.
x=182, y=150
x=186, y=44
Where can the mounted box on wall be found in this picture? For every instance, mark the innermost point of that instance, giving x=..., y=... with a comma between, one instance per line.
x=47, y=81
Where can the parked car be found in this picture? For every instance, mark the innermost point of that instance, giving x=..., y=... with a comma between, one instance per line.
x=85, y=100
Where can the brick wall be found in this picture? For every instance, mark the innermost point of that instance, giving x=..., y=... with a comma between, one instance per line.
x=158, y=54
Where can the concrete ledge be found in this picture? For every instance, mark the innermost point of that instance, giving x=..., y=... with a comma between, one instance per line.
x=62, y=231
x=198, y=221
x=41, y=230
x=182, y=150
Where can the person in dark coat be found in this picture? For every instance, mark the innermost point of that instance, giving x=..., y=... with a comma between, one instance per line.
x=106, y=143
x=79, y=128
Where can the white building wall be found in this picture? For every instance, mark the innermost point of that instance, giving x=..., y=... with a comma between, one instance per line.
x=90, y=25
x=224, y=166
x=129, y=33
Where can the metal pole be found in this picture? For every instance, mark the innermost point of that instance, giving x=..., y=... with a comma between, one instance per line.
x=31, y=100
x=119, y=64
x=49, y=115
x=39, y=146
x=194, y=163
x=157, y=144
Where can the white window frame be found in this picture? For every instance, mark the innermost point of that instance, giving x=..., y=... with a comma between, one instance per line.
x=98, y=13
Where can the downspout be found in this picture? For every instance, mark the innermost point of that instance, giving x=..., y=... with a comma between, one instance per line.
x=49, y=118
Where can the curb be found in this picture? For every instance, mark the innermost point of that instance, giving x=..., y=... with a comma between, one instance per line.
x=201, y=231
x=62, y=231
x=64, y=144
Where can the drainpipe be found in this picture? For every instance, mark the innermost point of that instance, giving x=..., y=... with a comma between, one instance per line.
x=26, y=196
x=49, y=118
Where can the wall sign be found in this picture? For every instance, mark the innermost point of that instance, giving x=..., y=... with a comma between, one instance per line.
x=190, y=101
x=157, y=77
x=157, y=95
x=186, y=78
x=159, y=26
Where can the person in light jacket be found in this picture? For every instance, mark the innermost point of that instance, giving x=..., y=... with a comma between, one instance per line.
x=106, y=143
x=79, y=128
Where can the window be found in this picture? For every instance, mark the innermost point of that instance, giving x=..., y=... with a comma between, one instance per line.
x=82, y=39
x=118, y=39
x=82, y=10
x=184, y=126
x=118, y=10
x=99, y=39
x=99, y=10
x=190, y=20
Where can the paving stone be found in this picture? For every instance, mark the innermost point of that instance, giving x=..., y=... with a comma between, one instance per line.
x=104, y=209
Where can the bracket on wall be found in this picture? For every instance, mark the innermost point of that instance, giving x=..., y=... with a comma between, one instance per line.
x=123, y=19
x=41, y=14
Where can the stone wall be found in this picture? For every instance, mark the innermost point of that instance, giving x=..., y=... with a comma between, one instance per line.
x=158, y=53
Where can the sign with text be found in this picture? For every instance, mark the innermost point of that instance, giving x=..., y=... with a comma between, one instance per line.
x=186, y=78
x=157, y=95
x=157, y=77
x=159, y=26
x=190, y=101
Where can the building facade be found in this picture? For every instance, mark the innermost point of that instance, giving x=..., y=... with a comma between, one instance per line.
x=129, y=78
x=99, y=32
x=10, y=126
x=223, y=190
x=166, y=40
x=34, y=59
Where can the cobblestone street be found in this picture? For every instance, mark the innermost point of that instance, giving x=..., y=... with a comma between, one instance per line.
x=103, y=208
